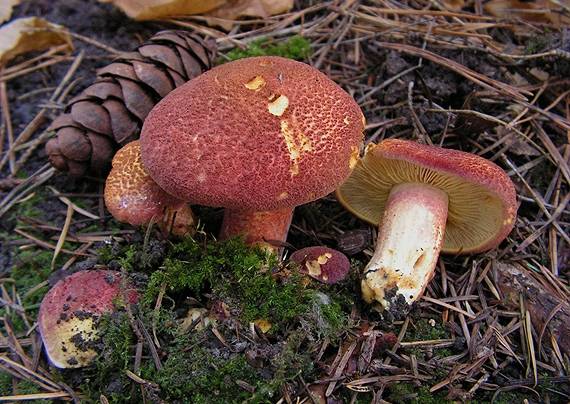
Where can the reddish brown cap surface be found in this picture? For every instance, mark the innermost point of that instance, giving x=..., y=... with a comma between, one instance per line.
x=256, y=134
x=322, y=263
x=131, y=195
x=69, y=312
x=482, y=198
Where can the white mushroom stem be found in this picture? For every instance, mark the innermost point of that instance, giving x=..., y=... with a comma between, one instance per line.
x=409, y=240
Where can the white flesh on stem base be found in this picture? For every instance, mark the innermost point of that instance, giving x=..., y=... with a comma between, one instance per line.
x=409, y=240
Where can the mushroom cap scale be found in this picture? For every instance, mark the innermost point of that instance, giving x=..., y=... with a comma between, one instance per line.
x=131, y=195
x=69, y=312
x=255, y=134
x=482, y=198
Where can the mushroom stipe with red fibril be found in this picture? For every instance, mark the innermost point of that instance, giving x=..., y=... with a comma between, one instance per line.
x=424, y=199
x=70, y=311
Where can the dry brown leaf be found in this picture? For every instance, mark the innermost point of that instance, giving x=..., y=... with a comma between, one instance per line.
x=155, y=9
x=541, y=11
x=30, y=34
x=6, y=7
x=234, y=9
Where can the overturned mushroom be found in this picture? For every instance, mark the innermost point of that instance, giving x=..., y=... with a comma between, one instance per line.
x=70, y=311
x=257, y=136
x=322, y=263
x=133, y=197
x=424, y=199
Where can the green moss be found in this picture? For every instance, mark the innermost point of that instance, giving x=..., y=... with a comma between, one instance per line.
x=295, y=47
x=293, y=361
x=422, y=330
x=196, y=367
x=240, y=275
x=325, y=317
x=410, y=393
x=21, y=387
x=198, y=376
x=539, y=43
x=30, y=269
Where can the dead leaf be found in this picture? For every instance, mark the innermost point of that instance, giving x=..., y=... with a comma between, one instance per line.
x=155, y=9
x=30, y=34
x=235, y=9
x=6, y=7
x=541, y=11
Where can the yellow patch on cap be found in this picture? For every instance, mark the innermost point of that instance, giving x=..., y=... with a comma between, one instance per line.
x=297, y=143
x=255, y=84
x=278, y=106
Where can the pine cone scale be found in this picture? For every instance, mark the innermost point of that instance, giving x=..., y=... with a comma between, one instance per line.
x=136, y=99
x=75, y=144
x=103, y=89
x=154, y=77
x=91, y=116
x=124, y=127
x=118, y=69
x=166, y=56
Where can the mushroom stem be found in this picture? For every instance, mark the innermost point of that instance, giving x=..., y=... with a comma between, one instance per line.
x=409, y=240
x=178, y=221
x=265, y=228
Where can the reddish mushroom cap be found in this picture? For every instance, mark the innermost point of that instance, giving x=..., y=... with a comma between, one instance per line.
x=256, y=134
x=322, y=263
x=482, y=199
x=69, y=312
x=131, y=195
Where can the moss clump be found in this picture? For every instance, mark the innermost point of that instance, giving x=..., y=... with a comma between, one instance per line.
x=199, y=376
x=324, y=317
x=30, y=269
x=422, y=330
x=296, y=47
x=240, y=275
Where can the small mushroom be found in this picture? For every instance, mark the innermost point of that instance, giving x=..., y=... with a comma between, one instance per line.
x=258, y=136
x=132, y=196
x=70, y=311
x=322, y=263
x=424, y=198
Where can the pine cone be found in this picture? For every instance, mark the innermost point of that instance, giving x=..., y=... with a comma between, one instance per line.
x=110, y=112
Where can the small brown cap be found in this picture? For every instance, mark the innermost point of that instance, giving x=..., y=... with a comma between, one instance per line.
x=482, y=198
x=131, y=195
x=256, y=134
x=322, y=263
x=70, y=311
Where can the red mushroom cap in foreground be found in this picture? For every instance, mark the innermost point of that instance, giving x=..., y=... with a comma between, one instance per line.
x=255, y=134
x=69, y=313
x=131, y=195
x=322, y=263
x=481, y=197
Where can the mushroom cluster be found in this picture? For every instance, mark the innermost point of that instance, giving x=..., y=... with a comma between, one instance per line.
x=424, y=199
x=257, y=136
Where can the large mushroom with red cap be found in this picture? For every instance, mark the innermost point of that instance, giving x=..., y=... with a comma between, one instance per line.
x=424, y=199
x=70, y=311
x=132, y=196
x=257, y=136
